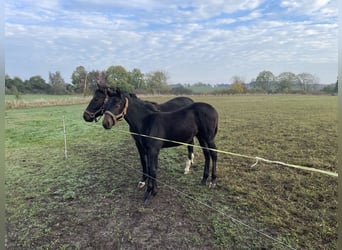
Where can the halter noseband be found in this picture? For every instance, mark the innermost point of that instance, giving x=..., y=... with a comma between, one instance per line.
x=120, y=116
x=93, y=115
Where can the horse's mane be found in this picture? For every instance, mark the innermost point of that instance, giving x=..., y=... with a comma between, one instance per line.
x=153, y=106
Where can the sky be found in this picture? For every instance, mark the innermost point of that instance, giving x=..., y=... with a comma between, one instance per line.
x=208, y=41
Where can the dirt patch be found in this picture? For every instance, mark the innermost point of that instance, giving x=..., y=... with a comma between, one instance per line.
x=163, y=224
x=113, y=215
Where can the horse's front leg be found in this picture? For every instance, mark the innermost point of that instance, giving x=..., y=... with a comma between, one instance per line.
x=206, y=154
x=190, y=159
x=143, y=162
x=152, y=164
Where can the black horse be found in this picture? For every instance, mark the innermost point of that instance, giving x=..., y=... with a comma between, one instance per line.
x=198, y=120
x=95, y=109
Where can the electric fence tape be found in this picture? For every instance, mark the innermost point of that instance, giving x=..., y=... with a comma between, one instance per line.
x=238, y=155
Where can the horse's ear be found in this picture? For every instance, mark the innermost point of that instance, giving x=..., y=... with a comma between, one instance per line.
x=133, y=95
x=101, y=87
x=113, y=91
x=110, y=91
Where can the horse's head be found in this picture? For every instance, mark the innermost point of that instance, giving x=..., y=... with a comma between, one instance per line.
x=115, y=108
x=96, y=105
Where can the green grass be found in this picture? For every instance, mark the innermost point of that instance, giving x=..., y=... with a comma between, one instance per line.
x=56, y=203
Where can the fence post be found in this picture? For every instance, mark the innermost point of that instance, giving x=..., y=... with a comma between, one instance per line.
x=65, y=143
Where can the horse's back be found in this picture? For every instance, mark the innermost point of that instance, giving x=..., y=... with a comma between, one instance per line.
x=195, y=118
x=175, y=103
x=204, y=109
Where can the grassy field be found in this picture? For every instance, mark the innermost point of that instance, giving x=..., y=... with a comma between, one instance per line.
x=34, y=100
x=89, y=200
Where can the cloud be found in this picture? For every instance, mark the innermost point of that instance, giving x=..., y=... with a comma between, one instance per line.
x=193, y=40
x=307, y=5
x=314, y=8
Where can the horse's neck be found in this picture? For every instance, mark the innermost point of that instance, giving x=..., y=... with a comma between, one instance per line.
x=137, y=111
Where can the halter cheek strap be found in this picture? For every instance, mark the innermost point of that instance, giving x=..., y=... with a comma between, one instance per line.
x=120, y=116
x=93, y=115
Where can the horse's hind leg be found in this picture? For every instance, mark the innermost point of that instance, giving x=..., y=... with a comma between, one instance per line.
x=190, y=159
x=213, y=155
x=206, y=153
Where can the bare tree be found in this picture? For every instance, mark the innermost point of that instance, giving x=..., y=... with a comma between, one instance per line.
x=57, y=83
x=306, y=81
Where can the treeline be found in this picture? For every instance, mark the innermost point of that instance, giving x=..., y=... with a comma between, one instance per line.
x=37, y=85
x=288, y=82
x=84, y=82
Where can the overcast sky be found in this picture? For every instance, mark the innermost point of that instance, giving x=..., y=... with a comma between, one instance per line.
x=207, y=41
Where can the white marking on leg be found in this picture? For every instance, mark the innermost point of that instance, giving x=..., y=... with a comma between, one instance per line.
x=141, y=184
x=192, y=158
x=187, y=166
x=212, y=185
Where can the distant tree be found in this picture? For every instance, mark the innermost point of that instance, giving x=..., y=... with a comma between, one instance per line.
x=79, y=79
x=8, y=85
x=38, y=85
x=336, y=87
x=100, y=77
x=285, y=81
x=117, y=76
x=11, y=88
x=181, y=90
x=201, y=84
x=136, y=79
x=14, y=85
x=157, y=82
x=329, y=89
x=16, y=93
x=69, y=88
x=57, y=83
x=92, y=80
x=306, y=81
x=238, y=86
x=265, y=81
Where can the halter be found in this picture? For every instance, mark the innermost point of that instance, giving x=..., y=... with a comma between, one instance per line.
x=93, y=114
x=120, y=116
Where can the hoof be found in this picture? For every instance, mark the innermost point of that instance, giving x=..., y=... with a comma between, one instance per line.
x=203, y=182
x=141, y=185
x=148, y=197
x=212, y=185
x=186, y=171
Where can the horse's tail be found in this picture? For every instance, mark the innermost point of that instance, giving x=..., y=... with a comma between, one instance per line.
x=216, y=128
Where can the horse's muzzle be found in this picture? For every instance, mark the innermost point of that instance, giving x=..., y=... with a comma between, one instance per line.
x=107, y=122
x=87, y=117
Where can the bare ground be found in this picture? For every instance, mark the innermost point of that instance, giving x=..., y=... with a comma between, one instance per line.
x=109, y=213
